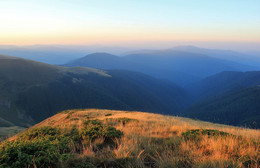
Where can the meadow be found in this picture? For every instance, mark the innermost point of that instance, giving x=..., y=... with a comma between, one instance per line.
x=108, y=138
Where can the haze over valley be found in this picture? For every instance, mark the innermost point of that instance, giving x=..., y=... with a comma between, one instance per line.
x=129, y=84
x=177, y=81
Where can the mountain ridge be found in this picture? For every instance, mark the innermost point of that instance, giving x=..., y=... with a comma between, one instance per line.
x=32, y=91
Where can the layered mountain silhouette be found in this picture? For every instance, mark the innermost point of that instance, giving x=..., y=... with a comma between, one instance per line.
x=207, y=87
x=199, y=65
x=250, y=58
x=32, y=91
x=177, y=66
x=223, y=82
x=56, y=54
x=229, y=98
x=109, y=62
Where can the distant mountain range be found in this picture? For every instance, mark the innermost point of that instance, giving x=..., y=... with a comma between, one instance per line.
x=216, y=90
x=32, y=91
x=228, y=97
x=250, y=58
x=223, y=82
x=55, y=54
x=190, y=63
x=109, y=62
x=47, y=54
x=180, y=67
x=186, y=81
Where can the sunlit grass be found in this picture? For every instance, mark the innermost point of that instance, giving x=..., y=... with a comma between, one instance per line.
x=153, y=140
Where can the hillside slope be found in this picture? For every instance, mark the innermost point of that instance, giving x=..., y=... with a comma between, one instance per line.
x=107, y=61
x=199, y=65
x=240, y=107
x=50, y=54
x=248, y=59
x=31, y=91
x=180, y=67
x=223, y=82
x=107, y=138
x=228, y=98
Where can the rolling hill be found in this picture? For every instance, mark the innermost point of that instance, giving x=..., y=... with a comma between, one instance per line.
x=102, y=61
x=108, y=138
x=57, y=54
x=48, y=54
x=180, y=67
x=32, y=91
x=239, y=108
x=199, y=65
x=107, y=61
x=221, y=83
x=229, y=98
x=251, y=59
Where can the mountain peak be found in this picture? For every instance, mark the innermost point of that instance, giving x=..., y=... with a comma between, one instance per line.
x=185, y=47
x=8, y=57
x=100, y=54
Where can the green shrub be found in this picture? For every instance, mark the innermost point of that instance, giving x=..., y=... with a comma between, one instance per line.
x=129, y=162
x=74, y=135
x=40, y=133
x=50, y=147
x=43, y=147
x=217, y=163
x=94, y=129
x=123, y=120
x=79, y=164
x=77, y=161
x=74, y=119
x=196, y=134
x=15, y=154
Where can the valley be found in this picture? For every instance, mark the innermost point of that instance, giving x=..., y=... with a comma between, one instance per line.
x=32, y=91
x=129, y=84
x=80, y=116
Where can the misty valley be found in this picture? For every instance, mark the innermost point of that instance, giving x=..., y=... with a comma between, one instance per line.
x=129, y=84
x=172, y=82
x=175, y=82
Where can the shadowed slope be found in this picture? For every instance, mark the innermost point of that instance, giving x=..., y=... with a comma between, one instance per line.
x=32, y=91
x=111, y=62
x=228, y=97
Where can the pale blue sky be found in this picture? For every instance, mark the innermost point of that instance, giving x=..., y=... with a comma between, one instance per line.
x=128, y=21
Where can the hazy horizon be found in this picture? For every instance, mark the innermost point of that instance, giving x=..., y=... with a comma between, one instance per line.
x=239, y=47
x=233, y=25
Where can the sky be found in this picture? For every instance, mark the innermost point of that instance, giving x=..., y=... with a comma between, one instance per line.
x=131, y=22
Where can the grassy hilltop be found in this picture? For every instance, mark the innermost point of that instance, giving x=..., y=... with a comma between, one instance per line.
x=106, y=138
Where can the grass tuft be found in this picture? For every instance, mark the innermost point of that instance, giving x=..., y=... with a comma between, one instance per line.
x=134, y=140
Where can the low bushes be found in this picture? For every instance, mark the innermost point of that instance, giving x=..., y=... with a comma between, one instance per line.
x=124, y=120
x=50, y=146
x=41, y=147
x=95, y=129
x=196, y=134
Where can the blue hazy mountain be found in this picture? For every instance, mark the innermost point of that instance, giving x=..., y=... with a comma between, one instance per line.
x=223, y=82
x=199, y=65
x=31, y=91
x=55, y=54
x=228, y=97
x=108, y=62
x=251, y=58
x=177, y=66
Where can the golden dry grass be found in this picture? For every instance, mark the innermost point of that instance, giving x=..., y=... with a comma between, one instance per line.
x=156, y=140
x=149, y=124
